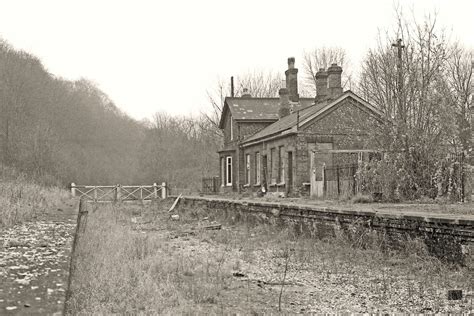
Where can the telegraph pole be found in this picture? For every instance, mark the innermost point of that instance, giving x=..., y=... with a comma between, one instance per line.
x=400, y=47
x=402, y=115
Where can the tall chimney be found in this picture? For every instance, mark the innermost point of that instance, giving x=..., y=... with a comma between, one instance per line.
x=245, y=93
x=284, y=103
x=321, y=84
x=292, y=80
x=334, y=81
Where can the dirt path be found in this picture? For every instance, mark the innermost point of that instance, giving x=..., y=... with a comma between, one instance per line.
x=34, y=263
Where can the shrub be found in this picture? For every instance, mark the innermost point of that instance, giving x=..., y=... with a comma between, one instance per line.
x=412, y=176
x=362, y=198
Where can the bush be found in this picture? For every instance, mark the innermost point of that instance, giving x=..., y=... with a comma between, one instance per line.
x=411, y=176
x=362, y=198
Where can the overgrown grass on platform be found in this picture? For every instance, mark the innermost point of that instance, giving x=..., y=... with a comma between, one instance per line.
x=134, y=259
x=23, y=199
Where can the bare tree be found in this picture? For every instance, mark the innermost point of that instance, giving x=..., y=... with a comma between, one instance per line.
x=404, y=76
x=323, y=57
x=460, y=77
x=405, y=79
x=260, y=84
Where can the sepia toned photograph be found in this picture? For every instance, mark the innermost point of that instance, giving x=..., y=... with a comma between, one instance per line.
x=236, y=157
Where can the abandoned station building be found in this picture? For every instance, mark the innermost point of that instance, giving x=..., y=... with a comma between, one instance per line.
x=282, y=144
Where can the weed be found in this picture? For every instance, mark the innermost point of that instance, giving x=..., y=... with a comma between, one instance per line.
x=362, y=198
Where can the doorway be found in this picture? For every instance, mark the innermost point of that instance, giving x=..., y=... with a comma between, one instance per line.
x=290, y=173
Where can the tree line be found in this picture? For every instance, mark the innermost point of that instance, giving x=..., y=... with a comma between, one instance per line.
x=61, y=131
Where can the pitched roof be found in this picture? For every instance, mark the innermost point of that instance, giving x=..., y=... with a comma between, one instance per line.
x=288, y=123
x=265, y=109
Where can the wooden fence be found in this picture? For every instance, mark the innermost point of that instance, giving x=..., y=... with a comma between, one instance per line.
x=339, y=180
x=210, y=185
x=112, y=193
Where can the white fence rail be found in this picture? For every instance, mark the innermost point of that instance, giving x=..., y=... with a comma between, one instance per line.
x=112, y=193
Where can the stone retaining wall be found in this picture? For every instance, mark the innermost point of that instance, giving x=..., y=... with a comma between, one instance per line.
x=447, y=237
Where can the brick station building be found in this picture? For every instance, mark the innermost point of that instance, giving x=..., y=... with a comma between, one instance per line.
x=281, y=144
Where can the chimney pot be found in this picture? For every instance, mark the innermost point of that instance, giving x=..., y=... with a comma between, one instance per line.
x=291, y=62
x=245, y=93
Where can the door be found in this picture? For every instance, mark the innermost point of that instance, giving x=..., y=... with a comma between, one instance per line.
x=265, y=172
x=290, y=173
x=319, y=159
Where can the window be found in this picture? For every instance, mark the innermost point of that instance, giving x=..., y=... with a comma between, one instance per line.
x=222, y=171
x=228, y=181
x=247, y=169
x=281, y=167
x=231, y=128
x=257, y=168
x=273, y=166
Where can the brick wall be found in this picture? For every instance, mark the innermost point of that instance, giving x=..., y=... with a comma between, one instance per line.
x=449, y=238
x=228, y=121
x=288, y=144
x=346, y=127
x=247, y=129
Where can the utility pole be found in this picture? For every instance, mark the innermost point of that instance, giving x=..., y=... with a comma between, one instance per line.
x=402, y=115
x=400, y=47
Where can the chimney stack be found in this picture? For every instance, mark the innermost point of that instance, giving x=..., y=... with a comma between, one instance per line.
x=321, y=84
x=292, y=80
x=246, y=94
x=284, y=103
x=334, y=81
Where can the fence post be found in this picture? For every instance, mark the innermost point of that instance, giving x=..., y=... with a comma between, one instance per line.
x=155, y=190
x=95, y=194
x=114, y=197
x=118, y=192
x=337, y=178
x=73, y=189
x=163, y=190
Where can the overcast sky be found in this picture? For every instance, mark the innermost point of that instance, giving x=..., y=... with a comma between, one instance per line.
x=151, y=56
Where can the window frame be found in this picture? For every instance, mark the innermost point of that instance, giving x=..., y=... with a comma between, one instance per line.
x=228, y=173
x=273, y=166
x=281, y=165
x=247, y=169
x=258, y=168
x=223, y=175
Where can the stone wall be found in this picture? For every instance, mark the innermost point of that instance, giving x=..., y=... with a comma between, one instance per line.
x=449, y=238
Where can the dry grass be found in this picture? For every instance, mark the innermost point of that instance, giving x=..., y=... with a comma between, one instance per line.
x=21, y=199
x=134, y=259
